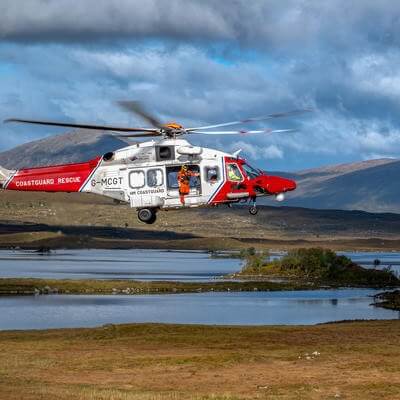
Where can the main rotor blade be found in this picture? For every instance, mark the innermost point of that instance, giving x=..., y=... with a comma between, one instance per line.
x=137, y=108
x=243, y=132
x=135, y=135
x=83, y=126
x=244, y=121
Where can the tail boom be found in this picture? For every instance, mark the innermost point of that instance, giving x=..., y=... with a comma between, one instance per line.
x=57, y=178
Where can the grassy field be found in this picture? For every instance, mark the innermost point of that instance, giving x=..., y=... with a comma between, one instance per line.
x=81, y=220
x=358, y=360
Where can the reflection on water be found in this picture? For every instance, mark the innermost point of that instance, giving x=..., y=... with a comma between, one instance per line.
x=116, y=264
x=255, y=308
x=142, y=264
x=366, y=259
x=245, y=308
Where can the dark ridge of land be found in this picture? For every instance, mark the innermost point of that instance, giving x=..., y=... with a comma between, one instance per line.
x=352, y=360
x=99, y=232
x=30, y=286
x=95, y=231
x=389, y=300
x=35, y=286
x=75, y=220
x=61, y=237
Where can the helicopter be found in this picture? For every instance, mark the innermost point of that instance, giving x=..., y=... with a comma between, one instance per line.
x=148, y=175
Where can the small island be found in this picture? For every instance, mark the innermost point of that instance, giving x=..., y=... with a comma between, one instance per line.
x=316, y=266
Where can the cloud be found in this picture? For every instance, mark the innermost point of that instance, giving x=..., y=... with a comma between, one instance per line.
x=272, y=152
x=257, y=152
x=201, y=62
x=276, y=25
x=378, y=74
x=58, y=20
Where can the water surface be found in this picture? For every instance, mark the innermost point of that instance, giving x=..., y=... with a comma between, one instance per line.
x=143, y=264
x=243, y=308
x=116, y=264
x=366, y=259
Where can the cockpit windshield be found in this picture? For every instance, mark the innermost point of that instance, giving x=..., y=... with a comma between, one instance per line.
x=250, y=171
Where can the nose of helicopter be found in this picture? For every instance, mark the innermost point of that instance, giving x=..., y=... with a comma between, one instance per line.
x=276, y=184
x=289, y=184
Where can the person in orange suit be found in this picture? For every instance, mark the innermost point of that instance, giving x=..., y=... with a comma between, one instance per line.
x=184, y=182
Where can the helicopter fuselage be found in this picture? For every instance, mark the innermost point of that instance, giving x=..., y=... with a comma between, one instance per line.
x=145, y=175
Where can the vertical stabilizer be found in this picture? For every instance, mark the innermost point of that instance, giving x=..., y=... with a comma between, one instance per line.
x=5, y=175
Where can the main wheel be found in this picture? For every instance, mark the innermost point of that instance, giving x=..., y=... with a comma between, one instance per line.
x=147, y=215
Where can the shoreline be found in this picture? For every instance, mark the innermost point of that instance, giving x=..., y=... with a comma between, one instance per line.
x=27, y=286
x=389, y=300
x=37, y=286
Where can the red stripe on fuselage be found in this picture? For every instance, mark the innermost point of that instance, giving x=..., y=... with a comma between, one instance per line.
x=56, y=178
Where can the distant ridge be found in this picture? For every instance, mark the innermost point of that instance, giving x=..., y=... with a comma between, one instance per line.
x=69, y=147
x=372, y=185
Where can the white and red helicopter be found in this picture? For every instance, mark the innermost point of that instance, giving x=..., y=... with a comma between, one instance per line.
x=146, y=175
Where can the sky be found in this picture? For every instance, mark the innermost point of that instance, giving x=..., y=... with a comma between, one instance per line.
x=211, y=61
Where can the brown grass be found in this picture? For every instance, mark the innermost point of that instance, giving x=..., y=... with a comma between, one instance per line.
x=220, y=228
x=152, y=361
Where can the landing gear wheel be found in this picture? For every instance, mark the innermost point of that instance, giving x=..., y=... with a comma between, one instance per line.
x=253, y=210
x=147, y=215
x=152, y=219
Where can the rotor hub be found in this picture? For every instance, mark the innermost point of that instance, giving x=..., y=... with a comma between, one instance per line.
x=173, y=125
x=172, y=129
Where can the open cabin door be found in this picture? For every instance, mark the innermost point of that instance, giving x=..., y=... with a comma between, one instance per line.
x=173, y=185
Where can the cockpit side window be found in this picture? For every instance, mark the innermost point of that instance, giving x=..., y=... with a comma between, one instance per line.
x=250, y=171
x=234, y=173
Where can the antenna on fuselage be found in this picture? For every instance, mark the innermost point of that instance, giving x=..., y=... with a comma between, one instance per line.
x=236, y=153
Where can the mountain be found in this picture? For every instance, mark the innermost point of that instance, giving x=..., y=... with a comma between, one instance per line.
x=371, y=185
x=70, y=147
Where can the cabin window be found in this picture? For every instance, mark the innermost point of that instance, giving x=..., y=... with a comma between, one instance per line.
x=165, y=153
x=172, y=177
x=136, y=179
x=234, y=173
x=155, y=177
x=108, y=156
x=212, y=174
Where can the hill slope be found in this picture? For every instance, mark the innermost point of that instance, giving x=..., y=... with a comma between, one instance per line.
x=370, y=185
x=59, y=149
